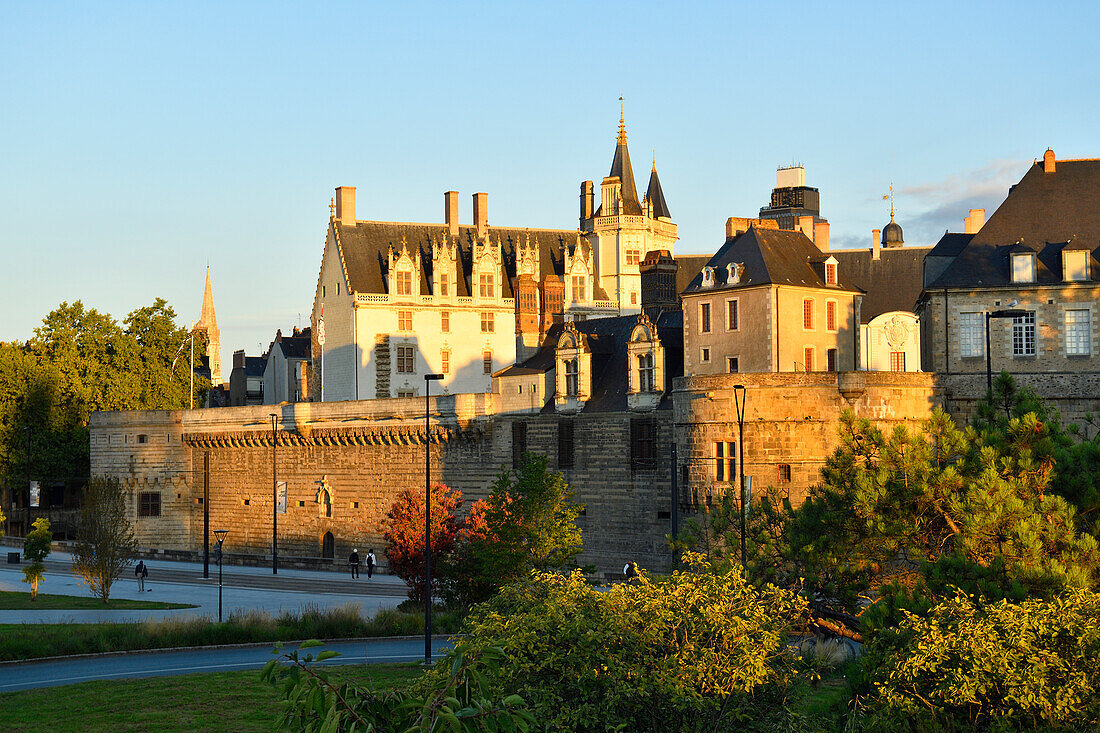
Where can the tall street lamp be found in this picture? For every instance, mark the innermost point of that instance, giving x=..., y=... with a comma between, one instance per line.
x=1009, y=313
x=274, y=498
x=739, y=403
x=428, y=379
x=220, y=534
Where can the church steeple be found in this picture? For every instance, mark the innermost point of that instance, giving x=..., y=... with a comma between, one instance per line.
x=208, y=326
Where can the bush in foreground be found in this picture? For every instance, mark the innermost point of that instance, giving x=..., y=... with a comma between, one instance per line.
x=970, y=665
x=695, y=651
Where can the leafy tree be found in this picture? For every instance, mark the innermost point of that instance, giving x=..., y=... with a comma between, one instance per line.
x=527, y=523
x=698, y=650
x=36, y=546
x=105, y=544
x=970, y=665
x=404, y=536
x=458, y=699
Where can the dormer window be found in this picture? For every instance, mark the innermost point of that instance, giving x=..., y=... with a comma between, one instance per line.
x=708, y=277
x=830, y=273
x=444, y=284
x=733, y=273
x=1023, y=268
x=572, y=378
x=486, y=283
x=404, y=282
x=578, y=287
x=645, y=372
x=1075, y=265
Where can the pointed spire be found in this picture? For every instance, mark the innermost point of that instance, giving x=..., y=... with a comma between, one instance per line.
x=656, y=197
x=620, y=167
x=207, y=317
x=622, y=124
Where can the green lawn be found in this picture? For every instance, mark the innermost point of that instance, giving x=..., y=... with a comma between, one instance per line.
x=226, y=701
x=11, y=600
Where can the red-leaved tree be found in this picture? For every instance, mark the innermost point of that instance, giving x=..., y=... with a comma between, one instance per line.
x=405, y=536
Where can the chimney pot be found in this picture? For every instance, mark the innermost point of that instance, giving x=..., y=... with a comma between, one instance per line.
x=875, y=243
x=972, y=224
x=1048, y=161
x=588, y=200
x=345, y=204
x=821, y=235
x=481, y=214
x=450, y=211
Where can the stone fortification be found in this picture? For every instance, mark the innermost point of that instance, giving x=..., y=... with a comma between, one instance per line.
x=1075, y=395
x=790, y=421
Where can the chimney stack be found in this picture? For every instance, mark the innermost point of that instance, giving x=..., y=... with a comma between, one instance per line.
x=875, y=243
x=821, y=235
x=1048, y=161
x=588, y=200
x=345, y=204
x=481, y=214
x=972, y=224
x=805, y=224
x=450, y=211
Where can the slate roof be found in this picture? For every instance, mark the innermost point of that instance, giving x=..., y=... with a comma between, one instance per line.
x=1043, y=213
x=772, y=257
x=890, y=283
x=365, y=246
x=296, y=347
x=656, y=197
x=690, y=266
x=620, y=167
x=254, y=366
x=608, y=339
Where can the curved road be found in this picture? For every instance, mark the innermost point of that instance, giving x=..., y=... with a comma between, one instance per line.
x=52, y=673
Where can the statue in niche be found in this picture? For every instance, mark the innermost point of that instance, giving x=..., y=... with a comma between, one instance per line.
x=324, y=496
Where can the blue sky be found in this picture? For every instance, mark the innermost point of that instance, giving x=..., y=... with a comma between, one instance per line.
x=142, y=141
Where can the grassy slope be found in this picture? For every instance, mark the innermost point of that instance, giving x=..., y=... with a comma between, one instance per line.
x=11, y=600
x=226, y=701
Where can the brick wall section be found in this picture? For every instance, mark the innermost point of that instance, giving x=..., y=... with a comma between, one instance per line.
x=790, y=420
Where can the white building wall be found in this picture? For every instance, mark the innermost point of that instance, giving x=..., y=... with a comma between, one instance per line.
x=896, y=331
x=337, y=358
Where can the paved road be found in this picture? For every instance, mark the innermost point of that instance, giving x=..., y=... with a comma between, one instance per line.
x=31, y=675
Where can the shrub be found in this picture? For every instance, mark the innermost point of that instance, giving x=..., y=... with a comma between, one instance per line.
x=978, y=666
x=697, y=650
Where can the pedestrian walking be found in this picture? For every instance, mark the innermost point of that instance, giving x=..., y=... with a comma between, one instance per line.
x=370, y=564
x=142, y=573
x=629, y=571
x=353, y=563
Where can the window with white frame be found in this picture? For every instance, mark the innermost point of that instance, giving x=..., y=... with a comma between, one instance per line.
x=1075, y=264
x=1023, y=335
x=1023, y=268
x=1077, y=332
x=971, y=335
x=406, y=360
x=704, y=355
x=733, y=364
x=404, y=282
x=645, y=372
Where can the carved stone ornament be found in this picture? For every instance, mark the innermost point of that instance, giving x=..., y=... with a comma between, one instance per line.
x=897, y=332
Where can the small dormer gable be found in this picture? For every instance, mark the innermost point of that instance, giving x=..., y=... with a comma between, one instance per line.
x=572, y=370
x=1022, y=265
x=708, y=277
x=1075, y=265
x=646, y=366
x=734, y=272
x=832, y=272
x=404, y=271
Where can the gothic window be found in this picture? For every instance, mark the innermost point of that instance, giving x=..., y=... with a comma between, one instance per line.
x=486, y=283
x=645, y=372
x=404, y=282
x=572, y=378
x=578, y=287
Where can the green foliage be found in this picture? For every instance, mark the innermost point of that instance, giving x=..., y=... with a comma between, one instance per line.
x=36, y=546
x=695, y=651
x=969, y=665
x=80, y=361
x=105, y=543
x=404, y=536
x=901, y=502
x=527, y=523
x=457, y=700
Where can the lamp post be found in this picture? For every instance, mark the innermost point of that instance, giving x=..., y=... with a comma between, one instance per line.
x=1009, y=313
x=428, y=379
x=220, y=534
x=739, y=403
x=274, y=498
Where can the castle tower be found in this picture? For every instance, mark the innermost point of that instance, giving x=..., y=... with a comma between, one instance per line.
x=624, y=229
x=207, y=325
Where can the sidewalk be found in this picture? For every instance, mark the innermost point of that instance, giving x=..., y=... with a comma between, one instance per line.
x=243, y=588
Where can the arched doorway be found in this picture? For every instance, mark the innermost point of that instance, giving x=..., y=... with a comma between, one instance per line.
x=328, y=546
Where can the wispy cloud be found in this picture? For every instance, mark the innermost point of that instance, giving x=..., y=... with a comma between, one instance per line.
x=941, y=205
